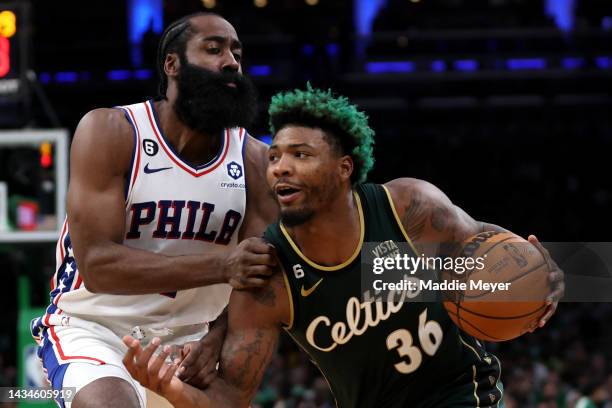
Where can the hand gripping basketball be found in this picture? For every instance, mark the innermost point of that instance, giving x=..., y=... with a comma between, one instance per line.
x=555, y=280
x=532, y=285
x=250, y=264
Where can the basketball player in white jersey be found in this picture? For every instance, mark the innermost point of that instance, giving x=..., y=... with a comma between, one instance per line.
x=157, y=204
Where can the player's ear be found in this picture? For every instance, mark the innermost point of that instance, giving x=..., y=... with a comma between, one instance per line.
x=172, y=65
x=346, y=167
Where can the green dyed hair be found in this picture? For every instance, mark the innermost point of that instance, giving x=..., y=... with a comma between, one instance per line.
x=345, y=126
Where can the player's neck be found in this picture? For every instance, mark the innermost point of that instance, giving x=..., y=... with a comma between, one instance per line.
x=193, y=147
x=331, y=236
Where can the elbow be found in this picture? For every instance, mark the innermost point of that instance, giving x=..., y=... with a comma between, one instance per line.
x=92, y=286
x=92, y=269
x=90, y=278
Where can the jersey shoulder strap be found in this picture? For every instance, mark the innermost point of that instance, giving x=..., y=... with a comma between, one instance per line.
x=291, y=265
x=381, y=217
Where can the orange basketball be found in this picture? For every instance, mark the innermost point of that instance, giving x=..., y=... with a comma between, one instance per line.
x=504, y=297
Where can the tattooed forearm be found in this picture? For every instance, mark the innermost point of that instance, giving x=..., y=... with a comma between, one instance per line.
x=246, y=358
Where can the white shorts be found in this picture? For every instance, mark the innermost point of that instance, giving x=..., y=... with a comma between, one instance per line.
x=78, y=375
x=81, y=352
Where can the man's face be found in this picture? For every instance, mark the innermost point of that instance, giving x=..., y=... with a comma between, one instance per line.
x=212, y=92
x=214, y=46
x=304, y=172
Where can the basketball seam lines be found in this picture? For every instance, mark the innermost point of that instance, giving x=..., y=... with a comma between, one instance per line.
x=511, y=280
x=490, y=338
x=500, y=317
x=496, y=244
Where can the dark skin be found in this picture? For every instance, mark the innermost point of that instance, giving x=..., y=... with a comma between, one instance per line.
x=104, y=141
x=303, y=159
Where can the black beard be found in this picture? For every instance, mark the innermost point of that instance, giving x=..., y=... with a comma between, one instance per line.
x=292, y=218
x=208, y=105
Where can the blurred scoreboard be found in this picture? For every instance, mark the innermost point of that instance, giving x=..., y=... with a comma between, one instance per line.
x=14, y=60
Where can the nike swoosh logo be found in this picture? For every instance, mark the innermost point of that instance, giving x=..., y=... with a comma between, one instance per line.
x=149, y=171
x=308, y=292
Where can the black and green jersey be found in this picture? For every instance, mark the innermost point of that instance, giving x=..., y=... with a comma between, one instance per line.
x=378, y=354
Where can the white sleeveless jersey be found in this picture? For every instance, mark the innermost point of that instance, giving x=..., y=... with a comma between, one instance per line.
x=172, y=208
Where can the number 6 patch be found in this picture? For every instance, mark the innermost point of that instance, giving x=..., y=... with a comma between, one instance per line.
x=150, y=147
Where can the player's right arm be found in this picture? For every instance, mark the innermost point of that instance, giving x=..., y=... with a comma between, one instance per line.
x=428, y=216
x=255, y=319
x=100, y=161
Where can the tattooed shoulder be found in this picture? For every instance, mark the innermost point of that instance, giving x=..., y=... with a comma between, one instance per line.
x=440, y=218
x=429, y=216
x=415, y=215
x=425, y=210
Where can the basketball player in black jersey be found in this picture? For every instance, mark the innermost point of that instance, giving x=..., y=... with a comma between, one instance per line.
x=373, y=354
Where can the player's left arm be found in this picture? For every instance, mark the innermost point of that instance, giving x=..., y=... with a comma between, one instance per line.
x=262, y=208
x=428, y=216
x=254, y=323
x=198, y=366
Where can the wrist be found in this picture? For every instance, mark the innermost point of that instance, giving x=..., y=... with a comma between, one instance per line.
x=223, y=266
x=215, y=330
x=211, y=269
